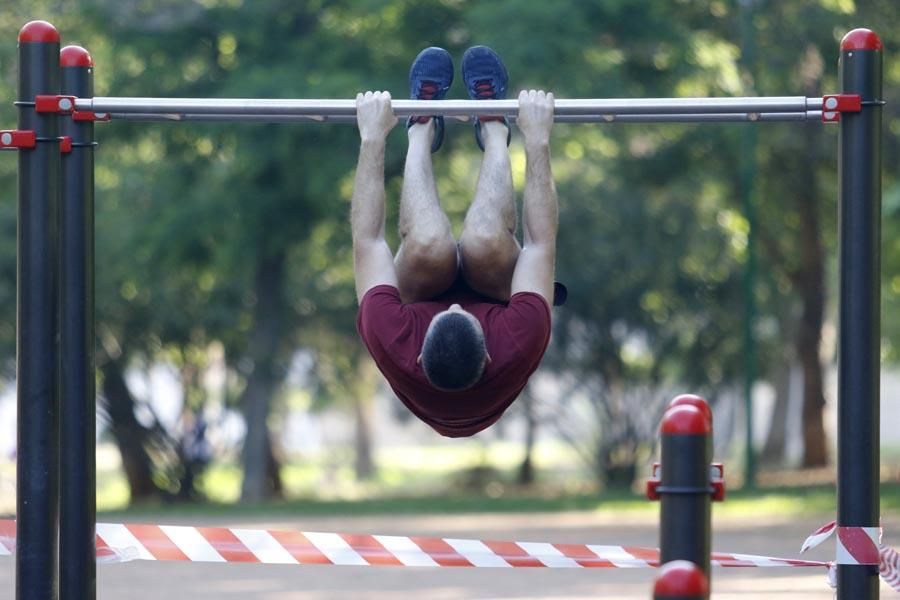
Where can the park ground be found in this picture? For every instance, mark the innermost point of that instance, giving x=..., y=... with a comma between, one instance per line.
x=764, y=525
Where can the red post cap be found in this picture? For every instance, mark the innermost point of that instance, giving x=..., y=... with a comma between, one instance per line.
x=861, y=39
x=75, y=56
x=680, y=579
x=692, y=400
x=685, y=420
x=38, y=31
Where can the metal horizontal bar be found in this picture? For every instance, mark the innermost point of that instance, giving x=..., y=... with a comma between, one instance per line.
x=607, y=118
x=221, y=118
x=406, y=108
x=747, y=117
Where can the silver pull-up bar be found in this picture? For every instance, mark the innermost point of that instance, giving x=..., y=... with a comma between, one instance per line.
x=809, y=115
x=589, y=109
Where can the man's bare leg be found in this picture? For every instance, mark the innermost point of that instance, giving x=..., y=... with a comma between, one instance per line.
x=488, y=246
x=426, y=262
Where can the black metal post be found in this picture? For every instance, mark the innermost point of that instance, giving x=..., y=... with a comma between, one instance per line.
x=685, y=492
x=37, y=474
x=77, y=408
x=859, y=175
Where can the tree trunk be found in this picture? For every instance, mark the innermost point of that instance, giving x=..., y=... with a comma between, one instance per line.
x=261, y=479
x=526, y=470
x=273, y=481
x=811, y=277
x=776, y=440
x=364, y=463
x=815, y=446
x=131, y=437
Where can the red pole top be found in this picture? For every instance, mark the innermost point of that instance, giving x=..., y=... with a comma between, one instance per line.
x=38, y=31
x=692, y=400
x=861, y=39
x=685, y=420
x=680, y=579
x=75, y=56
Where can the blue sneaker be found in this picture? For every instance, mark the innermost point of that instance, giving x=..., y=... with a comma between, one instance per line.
x=430, y=77
x=485, y=78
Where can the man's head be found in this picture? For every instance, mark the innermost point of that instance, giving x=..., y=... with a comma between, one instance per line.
x=454, y=353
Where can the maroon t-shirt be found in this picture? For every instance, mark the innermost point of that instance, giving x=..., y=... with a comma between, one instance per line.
x=516, y=334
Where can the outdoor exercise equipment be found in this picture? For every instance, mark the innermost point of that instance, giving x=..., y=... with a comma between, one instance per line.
x=685, y=482
x=55, y=309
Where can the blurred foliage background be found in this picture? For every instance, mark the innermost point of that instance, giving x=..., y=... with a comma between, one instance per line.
x=225, y=297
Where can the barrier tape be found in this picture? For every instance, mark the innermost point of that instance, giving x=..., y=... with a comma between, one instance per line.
x=127, y=542
x=858, y=546
x=890, y=567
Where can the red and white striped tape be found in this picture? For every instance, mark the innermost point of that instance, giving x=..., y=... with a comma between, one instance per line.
x=858, y=546
x=7, y=537
x=818, y=536
x=126, y=542
x=855, y=545
x=889, y=568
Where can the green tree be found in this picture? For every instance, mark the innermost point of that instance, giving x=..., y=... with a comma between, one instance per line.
x=238, y=234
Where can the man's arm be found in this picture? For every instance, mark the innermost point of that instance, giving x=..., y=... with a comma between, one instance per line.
x=373, y=263
x=540, y=214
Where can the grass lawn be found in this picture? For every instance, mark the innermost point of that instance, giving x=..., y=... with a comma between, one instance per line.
x=783, y=501
x=470, y=478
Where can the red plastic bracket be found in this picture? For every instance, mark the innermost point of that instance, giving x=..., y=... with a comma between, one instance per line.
x=65, y=144
x=63, y=105
x=835, y=104
x=653, y=483
x=716, y=481
x=15, y=138
x=80, y=115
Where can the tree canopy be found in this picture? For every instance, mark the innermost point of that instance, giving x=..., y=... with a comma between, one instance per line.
x=238, y=235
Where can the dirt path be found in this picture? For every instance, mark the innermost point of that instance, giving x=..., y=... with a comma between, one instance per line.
x=774, y=537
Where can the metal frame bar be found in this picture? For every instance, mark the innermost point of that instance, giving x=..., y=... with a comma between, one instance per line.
x=406, y=108
x=751, y=117
x=37, y=323
x=77, y=405
x=859, y=349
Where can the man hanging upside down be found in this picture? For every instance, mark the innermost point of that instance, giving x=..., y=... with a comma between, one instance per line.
x=456, y=328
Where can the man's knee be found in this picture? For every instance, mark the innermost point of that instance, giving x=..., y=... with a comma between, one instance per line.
x=431, y=245
x=426, y=270
x=485, y=248
x=429, y=253
x=488, y=263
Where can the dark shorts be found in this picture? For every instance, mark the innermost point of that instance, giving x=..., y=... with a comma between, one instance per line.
x=460, y=288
